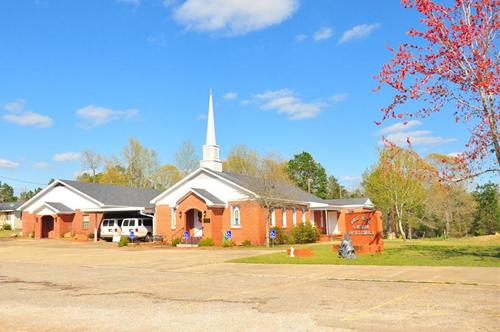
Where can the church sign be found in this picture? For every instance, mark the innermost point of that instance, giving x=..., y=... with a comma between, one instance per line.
x=365, y=230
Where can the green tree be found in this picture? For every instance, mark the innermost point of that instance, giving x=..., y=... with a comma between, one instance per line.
x=28, y=194
x=308, y=174
x=242, y=160
x=335, y=189
x=141, y=164
x=487, y=217
x=397, y=182
x=186, y=158
x=6, y=193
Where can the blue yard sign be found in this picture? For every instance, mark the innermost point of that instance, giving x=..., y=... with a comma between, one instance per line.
x=272, y=234
x=186, y=235
x=132, y=235
x=229, y=235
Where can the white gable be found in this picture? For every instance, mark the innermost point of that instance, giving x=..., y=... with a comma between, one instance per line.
x=203, y=180
x=61, y=194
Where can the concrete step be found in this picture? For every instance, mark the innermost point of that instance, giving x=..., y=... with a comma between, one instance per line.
x=183, y=245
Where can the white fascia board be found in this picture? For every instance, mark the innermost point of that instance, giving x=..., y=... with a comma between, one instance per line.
x=175, y=186
x=191, y=190
x=83, y=194
x=190, y=176
x=34, y=198
x=114, y=209
x=52, y=185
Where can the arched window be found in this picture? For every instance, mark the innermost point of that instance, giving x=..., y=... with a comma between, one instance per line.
x=273, y=217
x=236, y=219
x=294, y=216
x=283, y=214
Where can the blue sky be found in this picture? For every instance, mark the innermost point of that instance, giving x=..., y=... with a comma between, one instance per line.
x=287, y=76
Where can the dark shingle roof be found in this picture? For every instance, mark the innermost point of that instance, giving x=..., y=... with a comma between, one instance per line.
x=206, y=194
x=10, y=206
x=115, y=195
x=347, y=201
x=59, y=206
x=281, y=190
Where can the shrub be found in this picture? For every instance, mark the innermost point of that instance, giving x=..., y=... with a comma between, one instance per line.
x=123, y=241
x=90, y=236
x=228, y=243
x=246, y=243
x=208, y=242
x=281, y=236
x=305, y=233
x=7, y=227
x=176, y=241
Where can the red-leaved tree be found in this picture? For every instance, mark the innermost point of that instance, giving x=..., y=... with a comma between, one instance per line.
x=454, y=65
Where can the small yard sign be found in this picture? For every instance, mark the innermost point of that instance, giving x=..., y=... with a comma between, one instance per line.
x=132, y=235
x=272, y=234
x=186, y=235
x=229, y=234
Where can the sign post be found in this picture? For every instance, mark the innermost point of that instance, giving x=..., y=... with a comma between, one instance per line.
x=272, y=236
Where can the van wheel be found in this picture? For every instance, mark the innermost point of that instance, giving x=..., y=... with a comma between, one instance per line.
x=148, y=238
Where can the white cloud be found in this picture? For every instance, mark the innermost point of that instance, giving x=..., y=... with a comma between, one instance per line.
x=40, y=165
x=67, y=156
x=400, y=134
x=351, y=178
x=455, y=154
x=339, y=97
x=401, y=126
x=15, y=106
x=17, y=114
x=233, y=17
x=201, y=116
x=94, y=116
x=323, y=34
x=230, y=95
x=4, y=163
x=358, y=32
x=158, y=40
x=300, y=37
x=286, y=102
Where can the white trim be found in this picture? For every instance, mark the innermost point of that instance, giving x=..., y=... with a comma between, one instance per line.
x=193, y=191
x=284, y=222
x=173, y=217
x=273, y=217
x=294, y=216
x=190, y=176
x=114, y=209
x=52, y=185
x=233, y=207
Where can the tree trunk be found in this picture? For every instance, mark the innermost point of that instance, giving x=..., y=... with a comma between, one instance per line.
x=447, y=225
x=410, y=236
x=400, y=223
x=489, y=111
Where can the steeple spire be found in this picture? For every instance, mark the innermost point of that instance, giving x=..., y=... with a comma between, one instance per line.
x=211, y=123
x=211, y=159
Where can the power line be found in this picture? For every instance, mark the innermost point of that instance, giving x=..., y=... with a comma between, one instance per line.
x=22, y=181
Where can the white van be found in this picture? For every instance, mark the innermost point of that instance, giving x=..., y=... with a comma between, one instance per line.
x=141, y=227
x=110, y=227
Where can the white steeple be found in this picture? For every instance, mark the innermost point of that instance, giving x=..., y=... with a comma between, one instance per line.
x=211, y=159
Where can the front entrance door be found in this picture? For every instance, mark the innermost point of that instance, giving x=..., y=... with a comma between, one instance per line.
x=193, y=223
x=331, y=223
x=47, y=226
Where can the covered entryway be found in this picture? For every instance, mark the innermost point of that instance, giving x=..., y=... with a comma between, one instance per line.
x=193, y=223
x=47, y=226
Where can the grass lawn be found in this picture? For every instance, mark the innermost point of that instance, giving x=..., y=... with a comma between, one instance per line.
x=456, y=252
x=8, y=233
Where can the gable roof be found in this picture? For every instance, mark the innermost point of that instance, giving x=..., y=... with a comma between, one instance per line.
x=10, y=206
x=282, y=190
x=103, y=194
x=350, y=201
x=59, y=207
x=206, y=195
x=109, y=194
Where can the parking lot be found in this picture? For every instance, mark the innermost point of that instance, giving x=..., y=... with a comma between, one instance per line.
x=56, y=285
